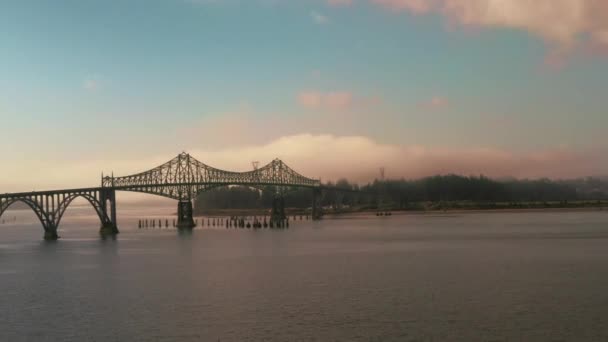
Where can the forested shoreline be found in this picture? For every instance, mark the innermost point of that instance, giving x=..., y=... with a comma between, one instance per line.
x=430, y=193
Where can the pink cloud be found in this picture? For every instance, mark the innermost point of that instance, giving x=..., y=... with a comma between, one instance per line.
x=310, y=99
x=561, y=23
x=436, y=102
x=338, y=100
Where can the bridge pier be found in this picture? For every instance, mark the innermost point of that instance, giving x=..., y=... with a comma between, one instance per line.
x=108, y=229
x=50, y=234
x=317, y=207
x=185, y=220
x=108, y=225
x=278, y=209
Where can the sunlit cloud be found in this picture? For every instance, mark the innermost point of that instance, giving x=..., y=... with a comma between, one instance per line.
x=563, y=24
x=321, y=114
x=328, y=157
x=358, y=158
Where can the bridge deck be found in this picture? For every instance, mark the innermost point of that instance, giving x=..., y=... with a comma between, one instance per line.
x=48, y=192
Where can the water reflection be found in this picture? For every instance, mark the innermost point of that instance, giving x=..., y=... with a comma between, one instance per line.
x=185, y=233
x=105, y=237
x=470, y=277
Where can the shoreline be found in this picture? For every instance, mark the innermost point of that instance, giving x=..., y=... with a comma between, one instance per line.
x=262, y=212
x=474, y=211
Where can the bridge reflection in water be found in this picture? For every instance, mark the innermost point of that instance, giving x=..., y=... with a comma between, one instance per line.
x=181, y=178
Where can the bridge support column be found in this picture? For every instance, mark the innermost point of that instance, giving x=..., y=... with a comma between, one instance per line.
x=108, y=229
x=278, y=209
x=185, y=220
x=50, y=233
x=109, y=226
x=317, y=208
x=47, y=205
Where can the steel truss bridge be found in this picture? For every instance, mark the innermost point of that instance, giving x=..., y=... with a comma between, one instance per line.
x=182, y=178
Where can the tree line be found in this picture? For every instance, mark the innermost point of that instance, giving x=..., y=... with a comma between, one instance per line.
x=403, y=193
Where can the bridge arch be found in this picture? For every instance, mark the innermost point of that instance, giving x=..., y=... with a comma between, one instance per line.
x=37, y=208
x=95, y=203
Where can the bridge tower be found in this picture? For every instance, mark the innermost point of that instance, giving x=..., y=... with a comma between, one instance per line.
x=107, y=196
x=278, y=207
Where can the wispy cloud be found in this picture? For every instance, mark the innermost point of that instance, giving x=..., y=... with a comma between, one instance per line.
x=337, y=100
x=203, y=2
x=91, y=83
x=319, y=18
x=340, y=3
x=436, y=102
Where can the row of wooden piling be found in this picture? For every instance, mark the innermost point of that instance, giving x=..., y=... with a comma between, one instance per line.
x=231, y=222
x=145, y=223
x=255, y=223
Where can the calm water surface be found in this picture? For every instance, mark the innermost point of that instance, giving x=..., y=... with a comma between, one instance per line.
x=463, y=277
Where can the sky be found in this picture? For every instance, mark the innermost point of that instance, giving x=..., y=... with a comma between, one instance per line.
x=335, y=88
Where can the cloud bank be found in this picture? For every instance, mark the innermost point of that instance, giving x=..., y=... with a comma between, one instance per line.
x=327, y=157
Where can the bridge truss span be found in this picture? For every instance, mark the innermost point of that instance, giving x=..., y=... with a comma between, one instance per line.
x=184, y=177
